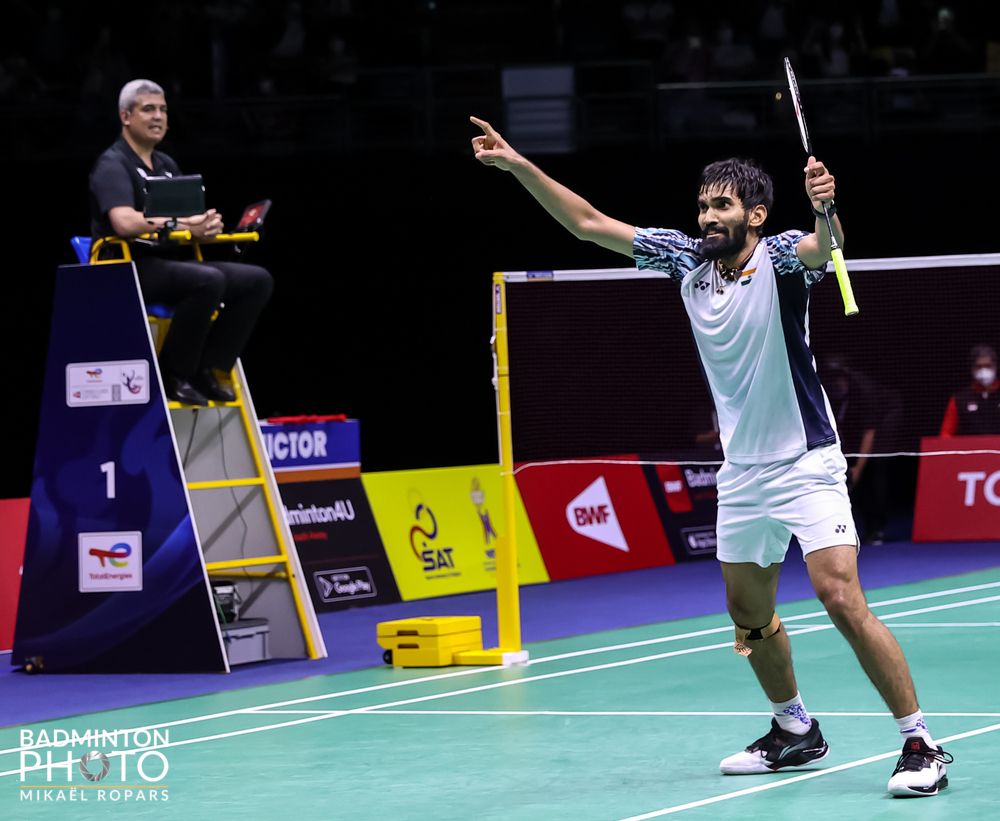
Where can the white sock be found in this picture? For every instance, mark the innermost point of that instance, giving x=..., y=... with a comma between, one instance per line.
x=792, y=716
x=913, y=725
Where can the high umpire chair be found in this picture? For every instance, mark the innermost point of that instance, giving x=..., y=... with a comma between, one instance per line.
x=231, y=487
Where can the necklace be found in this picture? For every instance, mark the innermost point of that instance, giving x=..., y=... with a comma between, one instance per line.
x=727, y=275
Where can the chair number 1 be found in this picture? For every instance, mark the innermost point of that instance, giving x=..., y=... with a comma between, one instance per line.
x=108, y=469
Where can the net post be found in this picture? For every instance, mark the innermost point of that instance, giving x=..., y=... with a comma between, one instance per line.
x=508, y=599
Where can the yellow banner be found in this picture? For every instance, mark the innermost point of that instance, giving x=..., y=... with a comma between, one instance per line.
x=440, y=529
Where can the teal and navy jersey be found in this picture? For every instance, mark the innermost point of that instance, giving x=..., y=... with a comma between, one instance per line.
x=754, y=342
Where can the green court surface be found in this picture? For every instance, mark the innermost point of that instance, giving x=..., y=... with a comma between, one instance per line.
x=609, y=726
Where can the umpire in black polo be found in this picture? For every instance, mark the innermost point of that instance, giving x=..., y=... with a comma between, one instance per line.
x=196, y=349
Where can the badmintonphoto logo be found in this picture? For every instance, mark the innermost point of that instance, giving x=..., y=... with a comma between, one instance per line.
x=437, y=560
x=110, y=561
x=95, y=374
x=109, y=766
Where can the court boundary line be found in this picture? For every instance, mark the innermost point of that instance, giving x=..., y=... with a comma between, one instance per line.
x=951, y=624
x=529, y=679
x=612, y=713
x=796, y=779
x=481, y=688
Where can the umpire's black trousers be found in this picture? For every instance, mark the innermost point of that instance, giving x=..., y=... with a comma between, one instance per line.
x=194, y=290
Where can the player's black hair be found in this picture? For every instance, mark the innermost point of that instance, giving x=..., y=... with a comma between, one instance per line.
x=751, y=183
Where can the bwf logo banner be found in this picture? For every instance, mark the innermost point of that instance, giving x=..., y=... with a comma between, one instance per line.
x=94, y=765
x=110, y=561
x=592, y=514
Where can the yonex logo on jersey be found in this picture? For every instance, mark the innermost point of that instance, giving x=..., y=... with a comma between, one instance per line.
x=591, y=514
x=701, y=286
x=840, y=529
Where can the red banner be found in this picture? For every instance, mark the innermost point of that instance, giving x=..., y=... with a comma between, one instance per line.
x=13, y=529
x=958, y=495
x=593, y=518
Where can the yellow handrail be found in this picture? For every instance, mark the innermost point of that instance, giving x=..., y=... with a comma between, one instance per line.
x=181, y=237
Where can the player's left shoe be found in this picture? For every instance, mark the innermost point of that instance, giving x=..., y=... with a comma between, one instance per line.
x=921, y=770
x=777, y=750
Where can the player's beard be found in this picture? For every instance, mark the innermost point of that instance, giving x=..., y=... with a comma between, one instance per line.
x=719, y=247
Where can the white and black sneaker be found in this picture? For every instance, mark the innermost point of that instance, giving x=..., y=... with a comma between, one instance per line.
x=778, y=750
x=920, y=770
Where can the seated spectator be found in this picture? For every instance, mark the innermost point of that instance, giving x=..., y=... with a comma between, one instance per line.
x=975, y=410
x=946, y=51
x=866, y=412
x=732, y=58
x=195, y=348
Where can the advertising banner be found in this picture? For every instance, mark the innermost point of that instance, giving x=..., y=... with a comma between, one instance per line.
x=338, y=543
x=592, y=518
x=958, y=495
x=113, y=579
x=306, y=448
x=687, y=500
x=13, y=528
x=440, y=529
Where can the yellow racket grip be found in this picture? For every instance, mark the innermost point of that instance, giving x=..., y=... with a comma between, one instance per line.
x=844, y=280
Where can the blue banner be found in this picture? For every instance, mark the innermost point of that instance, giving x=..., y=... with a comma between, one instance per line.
x=301, y=443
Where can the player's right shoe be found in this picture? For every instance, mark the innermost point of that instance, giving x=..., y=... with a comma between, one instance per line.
x=778, y=750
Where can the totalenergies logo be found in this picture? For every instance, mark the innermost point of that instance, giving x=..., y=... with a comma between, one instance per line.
x=422, y=534
x=117, y=555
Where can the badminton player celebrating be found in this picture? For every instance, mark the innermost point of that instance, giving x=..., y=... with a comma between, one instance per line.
x=746, y=295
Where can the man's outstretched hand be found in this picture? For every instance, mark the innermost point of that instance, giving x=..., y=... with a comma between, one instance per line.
x=491, y=149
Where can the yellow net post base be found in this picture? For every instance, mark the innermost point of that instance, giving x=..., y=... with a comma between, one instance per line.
x=439, y=641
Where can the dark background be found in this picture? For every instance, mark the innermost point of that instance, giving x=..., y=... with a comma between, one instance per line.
x=384, y=229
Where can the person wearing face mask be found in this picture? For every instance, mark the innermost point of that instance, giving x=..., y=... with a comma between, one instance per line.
x=866, y=413
x=975, y=410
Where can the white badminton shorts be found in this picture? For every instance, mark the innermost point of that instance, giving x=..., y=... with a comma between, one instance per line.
x=762, y=506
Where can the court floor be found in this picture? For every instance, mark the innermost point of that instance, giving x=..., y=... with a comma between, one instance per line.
x=618, y=725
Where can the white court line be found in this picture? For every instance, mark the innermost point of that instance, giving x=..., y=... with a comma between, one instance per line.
x=546, y=659
x=795, y=779
x=608, y=713
x=962, y=624
x=503, y=684
x=418, y=699
x=811, y=615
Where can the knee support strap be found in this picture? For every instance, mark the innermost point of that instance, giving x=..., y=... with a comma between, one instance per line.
x=745, y=634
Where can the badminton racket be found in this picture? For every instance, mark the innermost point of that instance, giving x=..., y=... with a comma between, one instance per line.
x=843, y=278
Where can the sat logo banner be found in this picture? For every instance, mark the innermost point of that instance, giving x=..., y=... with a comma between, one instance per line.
x=440, y=529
